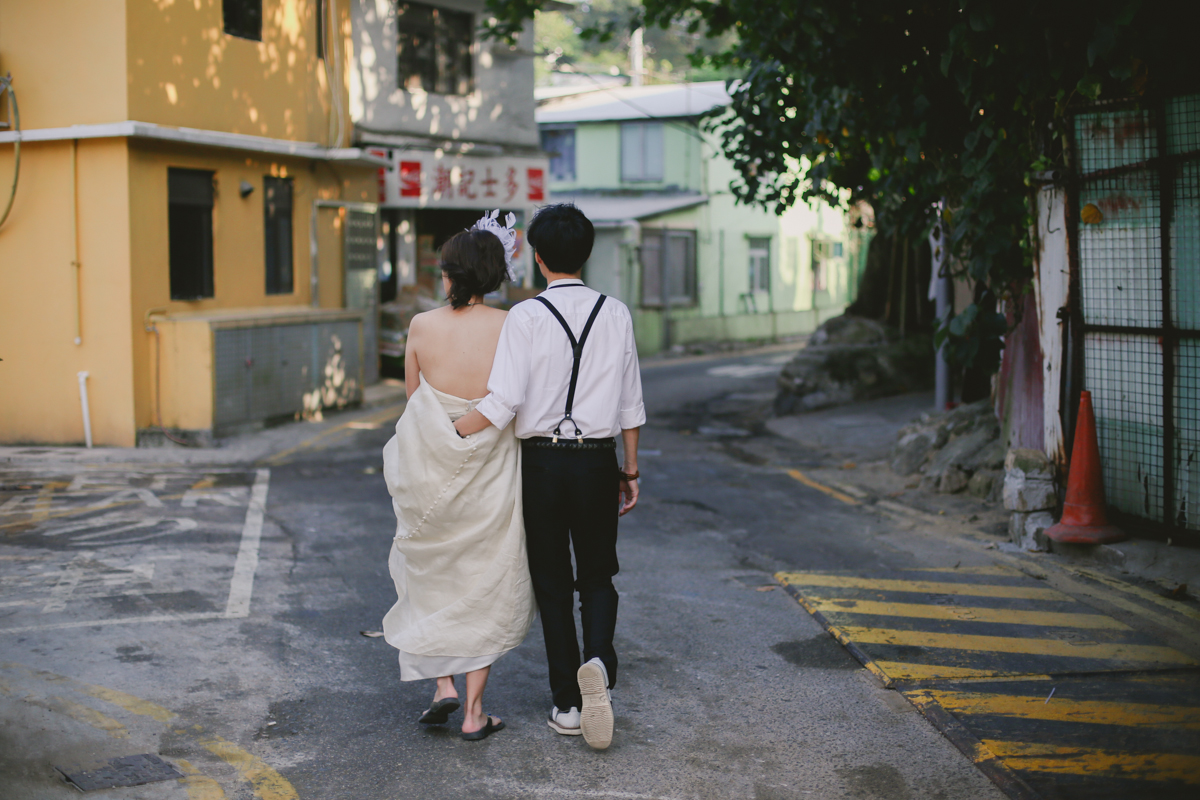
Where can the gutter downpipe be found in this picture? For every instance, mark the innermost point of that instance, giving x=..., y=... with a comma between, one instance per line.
x=77, y=268
x=83, y=403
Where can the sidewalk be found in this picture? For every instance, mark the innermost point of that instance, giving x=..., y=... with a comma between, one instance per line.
x=1057, y=674
x=382, y=402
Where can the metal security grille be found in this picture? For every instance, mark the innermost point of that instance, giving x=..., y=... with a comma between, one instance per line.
x=1136, y=230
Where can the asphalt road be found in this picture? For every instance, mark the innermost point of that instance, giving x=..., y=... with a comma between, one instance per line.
x=140, y=631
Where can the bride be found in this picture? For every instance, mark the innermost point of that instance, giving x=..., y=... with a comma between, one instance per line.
x=458, y=559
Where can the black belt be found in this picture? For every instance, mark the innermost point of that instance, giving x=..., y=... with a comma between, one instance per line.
x=555, y=443
x=577, y=355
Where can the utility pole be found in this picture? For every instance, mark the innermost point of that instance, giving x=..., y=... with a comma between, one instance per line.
x=941, y=290
x=636, y=54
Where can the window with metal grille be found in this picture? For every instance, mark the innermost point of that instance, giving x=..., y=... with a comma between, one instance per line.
x=560, y=144
x=822, y=251
x=668, y=267
x=243, y=18
x=760, y=264
x=277, y=232
x=1136, y=274
x=642, y=151
x=190, y=233
x=435, y=49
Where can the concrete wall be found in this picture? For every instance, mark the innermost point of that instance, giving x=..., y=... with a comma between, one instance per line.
x=184, y=70
x=67, y=59
x=47, y=301
x=499, y=110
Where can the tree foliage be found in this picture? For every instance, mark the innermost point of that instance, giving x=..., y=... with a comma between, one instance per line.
x=903, y=105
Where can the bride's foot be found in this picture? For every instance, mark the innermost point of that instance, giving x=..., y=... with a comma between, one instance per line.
x=481, y=727
x=445, y=688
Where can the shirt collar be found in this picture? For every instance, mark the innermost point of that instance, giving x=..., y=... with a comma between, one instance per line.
x=566, y=282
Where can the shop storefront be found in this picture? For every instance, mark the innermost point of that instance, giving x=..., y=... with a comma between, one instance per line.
x=428, y=195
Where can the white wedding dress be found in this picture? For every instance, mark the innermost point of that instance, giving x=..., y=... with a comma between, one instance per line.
x=464, y=596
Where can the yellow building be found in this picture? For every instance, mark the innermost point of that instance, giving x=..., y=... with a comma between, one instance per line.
x=188, y=227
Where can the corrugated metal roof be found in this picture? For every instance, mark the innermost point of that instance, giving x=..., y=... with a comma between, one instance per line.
x=608, y=209
x=636, y=102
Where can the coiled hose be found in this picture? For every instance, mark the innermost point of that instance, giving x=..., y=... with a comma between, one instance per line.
x=14, y=121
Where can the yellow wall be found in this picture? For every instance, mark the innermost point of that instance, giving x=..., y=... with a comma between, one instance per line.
x=239, y=268
x=39, y=395
x=67, y=58
x=185, y=71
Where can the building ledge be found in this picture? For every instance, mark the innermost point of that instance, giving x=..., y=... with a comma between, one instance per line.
x=231, y=141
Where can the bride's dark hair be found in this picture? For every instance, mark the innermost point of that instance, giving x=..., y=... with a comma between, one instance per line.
x=474, y=263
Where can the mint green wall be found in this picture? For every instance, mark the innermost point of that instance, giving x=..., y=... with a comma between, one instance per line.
x=598, y=160
x=724, y=308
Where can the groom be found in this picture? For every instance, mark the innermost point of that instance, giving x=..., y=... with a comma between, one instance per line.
x=566, y=369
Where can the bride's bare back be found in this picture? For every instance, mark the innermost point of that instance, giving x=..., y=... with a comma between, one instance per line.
x=453, y=349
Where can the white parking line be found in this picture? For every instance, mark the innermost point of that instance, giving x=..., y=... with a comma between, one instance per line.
x=247, y=558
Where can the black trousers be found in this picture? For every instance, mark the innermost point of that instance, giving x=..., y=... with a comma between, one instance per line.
x=570, y=500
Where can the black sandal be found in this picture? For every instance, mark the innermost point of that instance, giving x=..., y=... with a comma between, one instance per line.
x=439, y=712
x=485, y=731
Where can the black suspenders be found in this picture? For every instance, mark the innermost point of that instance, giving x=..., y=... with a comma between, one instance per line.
x=577, y=353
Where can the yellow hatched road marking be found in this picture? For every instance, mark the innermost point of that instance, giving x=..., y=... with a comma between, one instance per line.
x=1094, y=762
x=82, y=713
x=199, y=787
x=928, y=587
x=969, y=614
x=1002, y=571
x=1141, y=653
x=1097, y=712
x=128, y=702
x=820, y=487
x=1138, y=591
x=903, y=671
x=268, y=784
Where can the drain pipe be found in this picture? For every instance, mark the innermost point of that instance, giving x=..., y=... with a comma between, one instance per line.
x=83, y=402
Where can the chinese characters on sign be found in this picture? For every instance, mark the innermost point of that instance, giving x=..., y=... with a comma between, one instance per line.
x=421, y=179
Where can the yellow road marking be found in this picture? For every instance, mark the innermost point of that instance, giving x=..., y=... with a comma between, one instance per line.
x=1084, y=589
x=378, y=417
x=820, y=487
x=1137, y=591
x=74, y=512
x=918, y=672
x=1059, y=709
x=128, y=702
x=1094, y=762
x=41, y=506
x=268, y=784
x=972, y=614
x=199, y=787
x=81, y=713
x=1140, y=653
x=928, y=587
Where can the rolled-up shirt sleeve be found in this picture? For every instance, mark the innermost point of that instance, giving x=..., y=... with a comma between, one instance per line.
x=633, y=409
x=510, y=374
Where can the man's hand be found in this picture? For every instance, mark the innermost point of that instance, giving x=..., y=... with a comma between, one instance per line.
x=627, y=496
x=471, y=422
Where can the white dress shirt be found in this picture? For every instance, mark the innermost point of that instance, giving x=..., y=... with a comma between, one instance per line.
x=532, y=370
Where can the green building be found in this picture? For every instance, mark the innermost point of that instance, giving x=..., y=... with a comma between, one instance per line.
x=671, y=242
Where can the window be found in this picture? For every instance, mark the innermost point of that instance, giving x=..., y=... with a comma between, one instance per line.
x=668, y=261
x=277, y=230
x=760, y=264
x=243, y=18
x=190, y=233
x=560, y=144
x=435, y=49
x=642, y=151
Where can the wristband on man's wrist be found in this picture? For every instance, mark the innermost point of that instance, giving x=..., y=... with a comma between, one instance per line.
x=629, y=476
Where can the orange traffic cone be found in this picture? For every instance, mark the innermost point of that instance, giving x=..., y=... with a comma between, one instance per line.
x=1084, y=520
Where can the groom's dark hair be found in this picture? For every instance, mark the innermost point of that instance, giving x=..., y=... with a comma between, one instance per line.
x=563, y=237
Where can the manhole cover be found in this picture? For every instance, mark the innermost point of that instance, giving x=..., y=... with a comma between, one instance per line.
x=123, y=771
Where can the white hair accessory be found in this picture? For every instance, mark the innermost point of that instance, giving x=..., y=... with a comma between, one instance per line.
x=505, y=233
